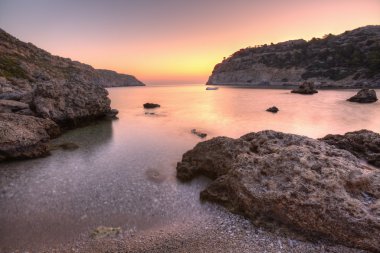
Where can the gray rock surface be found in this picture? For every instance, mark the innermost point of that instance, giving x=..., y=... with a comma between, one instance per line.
x=305, y=184
x=364, y=96
x=350, y=59
x=25, y=136
x=364, y=144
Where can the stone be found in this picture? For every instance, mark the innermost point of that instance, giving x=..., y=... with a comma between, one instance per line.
x=112, y=114
x=25, y=136
x=102, y=231
x=307, y=88
x=199, y=134
x=151, y=105
x=364, y=144
x=304, y=184
x=364, y=96
x=7, y=106
x=273, y=109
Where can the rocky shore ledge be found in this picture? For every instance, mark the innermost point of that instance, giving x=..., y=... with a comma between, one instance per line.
x=41, y=94
x=307, y=185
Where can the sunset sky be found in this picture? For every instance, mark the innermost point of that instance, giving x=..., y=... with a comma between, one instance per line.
x=174, y=41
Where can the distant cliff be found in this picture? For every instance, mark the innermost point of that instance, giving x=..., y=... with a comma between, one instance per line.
x=351, y=59
x=24, y=62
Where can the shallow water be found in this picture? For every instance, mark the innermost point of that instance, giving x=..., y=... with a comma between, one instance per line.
x=123, y=173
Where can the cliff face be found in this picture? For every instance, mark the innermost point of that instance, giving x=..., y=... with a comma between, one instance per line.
x=351, y=59
x=20, y=61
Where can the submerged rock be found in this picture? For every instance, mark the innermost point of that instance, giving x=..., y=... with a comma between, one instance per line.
x=273, y=109
x=305, y=184
x=307, y=88
x=151, y=105
x=25, y=136
x=199, y=134
x=363, y=144
x=65, y=146
x=364, y=96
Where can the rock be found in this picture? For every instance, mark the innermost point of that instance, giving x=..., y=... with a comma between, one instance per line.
x=273, y=109
x=364, y=96
x=70, y=103
x=307, y=88
x=66, y=146
x=151, y=105
x=302, y=183
x=364, y=144
x=102, y=231
x=8, y=106
x=25, y=136
x=199, y=134
x=112, y=114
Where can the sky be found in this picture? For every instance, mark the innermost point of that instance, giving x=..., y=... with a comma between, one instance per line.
x=174, y=41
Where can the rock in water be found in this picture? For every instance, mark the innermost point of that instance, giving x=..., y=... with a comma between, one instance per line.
x=300, y=182
x=273, y=109
x=151, y=105
x=102, y=231
x=364, y=144
x=364, y=96
x=307, y=88
x=199, y=134
x=25, y=136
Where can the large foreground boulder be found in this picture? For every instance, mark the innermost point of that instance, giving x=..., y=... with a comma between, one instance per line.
x=364, y=144
x=364, y=96
x=24, y=136
x=305, y=184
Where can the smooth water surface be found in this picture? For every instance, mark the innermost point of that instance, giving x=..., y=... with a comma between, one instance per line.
x=123, y=174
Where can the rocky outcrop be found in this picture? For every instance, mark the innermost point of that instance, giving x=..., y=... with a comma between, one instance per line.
x=307, y=88
x=24, y=63
x=273, y=109
x=364, y=144
x=25, y=136
x=305, y=184
x=364, y=96
x=151, y=105
x=347, y=60
x=52, y=91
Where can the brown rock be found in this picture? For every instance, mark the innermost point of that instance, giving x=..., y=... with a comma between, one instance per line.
x=364, y=144
x=307, y=88
x=302, y=183
x=364, y=96
x=25, y=136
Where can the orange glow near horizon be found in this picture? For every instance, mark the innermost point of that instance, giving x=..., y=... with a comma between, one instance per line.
x=170, y=46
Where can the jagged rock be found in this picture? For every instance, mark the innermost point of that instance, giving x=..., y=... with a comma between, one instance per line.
x=364, y=96
x=364, y=144
x=307, y=88
x=25, y=136
x=273, y=109
x=151, y=105
x=112, y=114
x=70, y=103
x=302, y=183
x=8, y=106
x=199, y=134
x=321, y=60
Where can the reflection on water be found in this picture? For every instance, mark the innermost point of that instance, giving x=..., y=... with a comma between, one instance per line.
x=123, y=174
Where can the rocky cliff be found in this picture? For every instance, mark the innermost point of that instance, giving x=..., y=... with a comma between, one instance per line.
x=41, y=93
x=351, y=59
x=24, y=62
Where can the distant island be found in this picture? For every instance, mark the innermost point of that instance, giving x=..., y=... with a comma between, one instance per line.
x=22, y=62
x=348, y=60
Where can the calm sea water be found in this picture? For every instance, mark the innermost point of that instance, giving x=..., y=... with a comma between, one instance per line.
x=123, y=174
